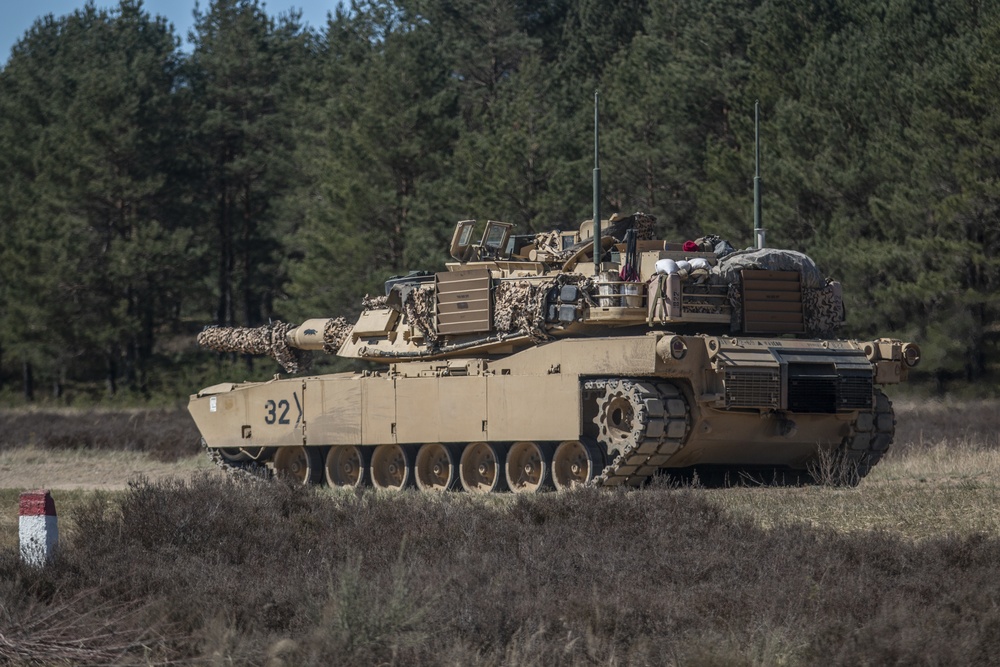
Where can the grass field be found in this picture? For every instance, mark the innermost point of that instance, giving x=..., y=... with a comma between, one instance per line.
x=190, y=568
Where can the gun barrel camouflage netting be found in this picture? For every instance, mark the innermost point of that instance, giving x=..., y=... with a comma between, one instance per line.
x=272, y=340
x=269, y=339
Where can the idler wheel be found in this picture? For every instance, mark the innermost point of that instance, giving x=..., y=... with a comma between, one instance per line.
x=481, y=468
x=869, y=439
x=392, y=467
x=436, y=468
x=301, y=465
x=528, y=466
x=575, y=464
x=234, y=455
x=347, y=466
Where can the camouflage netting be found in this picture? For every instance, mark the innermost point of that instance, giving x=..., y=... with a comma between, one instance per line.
x=644, y=224
x=418, y=306
x=373, y=302
x=335, y=332
x=824, y=309
x=520, y=307
x=736, y=306
x=704, y=304
x=520, y=304
x=269, y=339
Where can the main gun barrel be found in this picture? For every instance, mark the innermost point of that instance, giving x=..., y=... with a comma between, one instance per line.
x=288, y=344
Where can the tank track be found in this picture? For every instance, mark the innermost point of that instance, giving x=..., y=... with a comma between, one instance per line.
x=244, y=471
x=641, y=423
x=869, y=440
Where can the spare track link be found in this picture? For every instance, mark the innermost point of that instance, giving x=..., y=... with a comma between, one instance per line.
x=869, y=440
x=246, y=471
x=641, y=423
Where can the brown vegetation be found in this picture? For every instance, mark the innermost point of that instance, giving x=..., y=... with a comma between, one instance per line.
x=166, y=435
x=217, y=572
x=210, y=571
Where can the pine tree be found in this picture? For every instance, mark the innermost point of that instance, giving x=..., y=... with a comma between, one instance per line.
x=94, y=238
x=244, y=144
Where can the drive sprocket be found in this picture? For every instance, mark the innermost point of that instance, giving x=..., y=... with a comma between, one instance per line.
x=640, y=424
x=627, y=414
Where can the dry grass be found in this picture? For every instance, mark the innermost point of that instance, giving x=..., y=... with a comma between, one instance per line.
x=942, y=476
x=73, y=475
x=934, y=490
x=900, y=570
x=33, y=467
x=224, y=573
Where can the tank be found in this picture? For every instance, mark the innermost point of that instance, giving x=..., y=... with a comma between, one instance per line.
x=568, y=358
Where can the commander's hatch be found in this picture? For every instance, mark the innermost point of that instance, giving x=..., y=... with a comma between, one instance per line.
x=492, y=245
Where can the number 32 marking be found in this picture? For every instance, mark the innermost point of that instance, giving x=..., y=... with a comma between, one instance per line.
x=277, y=412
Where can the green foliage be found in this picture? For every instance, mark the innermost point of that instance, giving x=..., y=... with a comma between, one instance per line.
x=94, y=256
x=277, y=172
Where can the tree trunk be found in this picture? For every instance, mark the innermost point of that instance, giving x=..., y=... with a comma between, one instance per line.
x=58, y=381
x=29, y=382
x=112, y=379
x=147, y=340
x=224, y=313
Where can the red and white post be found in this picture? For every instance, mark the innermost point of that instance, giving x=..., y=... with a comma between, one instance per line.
x=39, y=531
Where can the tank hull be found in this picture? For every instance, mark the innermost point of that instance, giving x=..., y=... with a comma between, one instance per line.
x=634, y=405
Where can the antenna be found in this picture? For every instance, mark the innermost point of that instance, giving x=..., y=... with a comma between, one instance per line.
x=598, y=248
x=758, y=231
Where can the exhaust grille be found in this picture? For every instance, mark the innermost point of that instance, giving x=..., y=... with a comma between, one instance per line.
x=753, y=388
x=812, y=393
x=825, y=389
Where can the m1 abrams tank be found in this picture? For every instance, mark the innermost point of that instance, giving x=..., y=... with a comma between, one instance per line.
x=568, y=358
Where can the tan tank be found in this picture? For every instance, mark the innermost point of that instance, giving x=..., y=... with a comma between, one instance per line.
x=527, y=364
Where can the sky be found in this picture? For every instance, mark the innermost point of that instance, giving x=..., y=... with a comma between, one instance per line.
x=16, y=16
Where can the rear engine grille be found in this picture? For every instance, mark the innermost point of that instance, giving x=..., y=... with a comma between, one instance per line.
x=856, y=391
x=753, y=388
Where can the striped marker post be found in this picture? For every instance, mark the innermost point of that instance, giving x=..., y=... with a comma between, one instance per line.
x=39, y=531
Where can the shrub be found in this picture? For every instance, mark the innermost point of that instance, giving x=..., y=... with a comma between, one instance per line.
x=222, y=571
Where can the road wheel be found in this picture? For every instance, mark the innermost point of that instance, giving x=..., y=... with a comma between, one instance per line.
x=392, y=467
x=481, y=468
x=575, y=464
x=347, y=466
x=528, y=466
x=436, y=468
x=301, y=465
x=234, y=455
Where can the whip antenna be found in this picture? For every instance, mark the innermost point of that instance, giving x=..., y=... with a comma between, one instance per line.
x=758, y=231
x=597, y=193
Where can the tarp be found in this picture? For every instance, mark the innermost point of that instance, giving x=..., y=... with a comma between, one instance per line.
x=771, y=259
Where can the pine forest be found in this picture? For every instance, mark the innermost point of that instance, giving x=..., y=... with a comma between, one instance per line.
x=272, y=171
